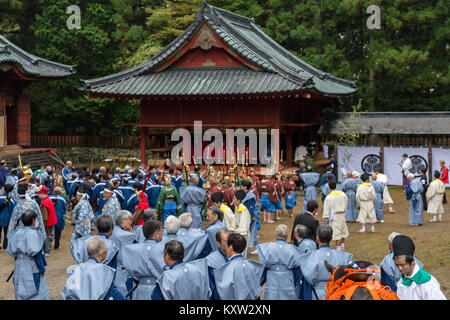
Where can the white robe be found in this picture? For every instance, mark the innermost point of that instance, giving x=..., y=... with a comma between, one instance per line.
x=435, y=194
x=365, y=199
x=334, y=209
x=424, y=291
x=386, y=195
x=228, y=218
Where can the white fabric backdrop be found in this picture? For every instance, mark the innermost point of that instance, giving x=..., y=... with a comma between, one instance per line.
x=393, y=155
x=440, y=153
x=350, y=158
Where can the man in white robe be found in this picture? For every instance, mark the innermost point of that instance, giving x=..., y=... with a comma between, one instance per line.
x=334, y=210
x=228, y=215
x=415, y=283
x=435, y=196
x=381, y=177
x=365, y=199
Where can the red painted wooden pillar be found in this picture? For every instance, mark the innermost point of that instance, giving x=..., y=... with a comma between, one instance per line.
x=142, y=142
x=276, y=125
x=289, y=147
x=3, y=120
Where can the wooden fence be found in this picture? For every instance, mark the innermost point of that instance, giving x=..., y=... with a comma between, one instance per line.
x=86, y=141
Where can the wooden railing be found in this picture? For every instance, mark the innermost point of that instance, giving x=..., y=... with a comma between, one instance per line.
x=86, y=141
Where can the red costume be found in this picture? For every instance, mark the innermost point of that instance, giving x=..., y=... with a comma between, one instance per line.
x=444, y=175
x=269, y=187
x=143, y=204
x=289, y=185
x=48, y=203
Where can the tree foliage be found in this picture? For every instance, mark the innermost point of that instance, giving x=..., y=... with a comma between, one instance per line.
x=408, y=57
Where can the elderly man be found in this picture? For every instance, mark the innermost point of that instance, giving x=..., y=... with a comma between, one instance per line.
x=67, y=174
x=171, y=226
x=310, y=180
x=217, y=258
x=238, y=279
x=123, y=234
x=334, y=209
x=415, y=283
x=307, y=219
x=349, y=186
x=112, y=205
x=312, y=263
x=92, y=280
x=149, y=214
x=182, y=281
x=105, y=227
x=305, y=244
x=406, y=166
x=379, y=189
x=281, y=266
x=414, y=194
x=83, y=216
x=390, y=275
x=214, y=216
x=242, y=217
x=193, y=198
x=365, y=199
x=144, y=261
x=26, y=246
x=193, y=240
x=435, y=196
x=381, y=177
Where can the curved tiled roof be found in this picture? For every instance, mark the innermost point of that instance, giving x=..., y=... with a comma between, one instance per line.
x=246, y=39
x=31, y=65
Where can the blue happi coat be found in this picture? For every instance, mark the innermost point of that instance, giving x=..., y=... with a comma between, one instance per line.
x=184, y=281
x=5, y=214
x=291, y=199
x=193, y=240
x=127, y=193
x=96, y=191
x=153, y=194
x=193, y=198
x=281, y=266
x=313, y=268
x=390, y=274
x=121, y=238
x=249, y=202
x=81, y=255
x=211, y=232
x=239, y=279
x=83, y=220
x=310, y=180
x=91, y=280
x=25, y=244
x=132, y=203
x=306, y=245
x=144, y=263
x=60, y=204
x=379, y=188
x=111, y=206
x=349, y=186
x=414, y=194
x=215, y=260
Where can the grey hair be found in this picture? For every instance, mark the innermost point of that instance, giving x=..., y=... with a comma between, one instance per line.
x=282, y=231
x=58, y=190
x=301, y=230
x=325, y=233
x=172, y=224
x=96, y=246
x=149, y=214
x=194, y=180
x=186, y=220
x=122, y=215
x=410, y=175
x=392, y=236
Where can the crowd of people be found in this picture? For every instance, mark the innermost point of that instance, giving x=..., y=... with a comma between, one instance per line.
x=165, y=233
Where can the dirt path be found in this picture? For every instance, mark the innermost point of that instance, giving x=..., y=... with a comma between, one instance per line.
x=432, y=242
